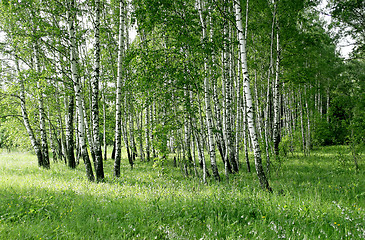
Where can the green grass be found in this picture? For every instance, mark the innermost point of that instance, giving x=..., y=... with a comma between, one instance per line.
x=320, y=196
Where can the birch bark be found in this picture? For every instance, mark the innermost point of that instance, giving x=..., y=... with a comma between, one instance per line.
x=255, y=144
x=28, y=127
x=76, y=84
x=42, y=124
x=267, y=108
x=147, y=133
x=140, y=134
x=208, y=109
x=244, y=129
x=70, y=145
x=51, y=142
x=118, y=111
x=308, y=142
x=216, y=101
x=276, y=93
x=302, y=122
x=95, y=96
x=104, y=127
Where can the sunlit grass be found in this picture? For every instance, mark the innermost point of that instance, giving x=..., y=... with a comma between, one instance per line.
x=314, y=197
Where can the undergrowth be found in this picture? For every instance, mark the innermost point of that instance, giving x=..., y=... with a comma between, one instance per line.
x=314, y=197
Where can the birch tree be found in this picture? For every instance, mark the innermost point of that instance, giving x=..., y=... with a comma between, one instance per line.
x=249, y=112
x=76, y=84
x=28, y=127
x=208, y=109
x=276, y=93
x=42, y=123
x=118, y=104
x=95, y=95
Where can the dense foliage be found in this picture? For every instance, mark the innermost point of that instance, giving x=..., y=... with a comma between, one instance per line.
x=181, y=72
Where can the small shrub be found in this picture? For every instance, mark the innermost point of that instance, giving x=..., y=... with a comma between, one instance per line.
x=159, y=165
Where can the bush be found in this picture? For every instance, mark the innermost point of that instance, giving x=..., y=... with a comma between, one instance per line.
x=324, y=134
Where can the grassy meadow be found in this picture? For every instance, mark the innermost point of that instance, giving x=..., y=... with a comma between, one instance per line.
x=315, y=197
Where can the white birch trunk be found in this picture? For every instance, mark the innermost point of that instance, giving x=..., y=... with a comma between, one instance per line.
x=328, y=104
x=276, y=93
x=76, y=84
x=229, y=102
x=208, y=109
x=244, y=129
x=95, y=96
x=28, y=127
x=131, y=132
x=308, y=142
x=118, y=111
x=147, y=133
x=140, y=134
x=104, y=128
x=226, y=100
x=257, y=103
x=42, y=123
x=51, y=142
x=267, y=108
x=250, y=118
x=217, y=110
x=69, y=117
x=187, y=129
x=302, y=122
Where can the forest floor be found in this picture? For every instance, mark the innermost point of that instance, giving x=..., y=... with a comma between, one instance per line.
x=320, y=196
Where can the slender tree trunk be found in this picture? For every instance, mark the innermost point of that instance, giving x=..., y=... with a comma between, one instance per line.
x=70, y=144
x=140, y=135
x=153, y=121
x=308, y=142
x=127, y=140
x=95, y=97
x=276, y=132
x=302, y=123
x=230, y=153
x=208, y=109
x=266, y=130
x=328, y=104
x=255, y=144
x=42, y=122
x=187, y=129
x=81, y=126
x=147, y=132
x=87, y=128
x=118, y=112
x=76, y=84
x=292, y=120
x=244, y=129
x=217, y=104
x=28, y=127
x=267, y=115
x=226, y=101
x=77, y=146
x=201, y=143
x=61, y=140
x=51, y=138
x=258, y=107
x=193, y=144
x=131, y=133
x=238, y=136
x=104, y=128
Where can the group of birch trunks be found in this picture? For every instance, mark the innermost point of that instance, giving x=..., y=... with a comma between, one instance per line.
x=183, y=90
